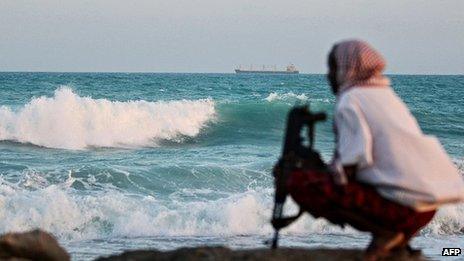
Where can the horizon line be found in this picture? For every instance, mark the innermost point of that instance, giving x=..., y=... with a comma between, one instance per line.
x=167, y=72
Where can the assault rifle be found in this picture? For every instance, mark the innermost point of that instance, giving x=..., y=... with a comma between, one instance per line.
x=295, y=155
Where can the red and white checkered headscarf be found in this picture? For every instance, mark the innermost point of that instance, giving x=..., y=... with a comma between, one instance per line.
x=358, y=64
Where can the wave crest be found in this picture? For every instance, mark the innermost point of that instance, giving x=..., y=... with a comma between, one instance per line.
x=73, y=214
x=292, y=97
x=69, y=121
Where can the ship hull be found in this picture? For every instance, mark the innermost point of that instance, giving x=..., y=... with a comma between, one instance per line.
x=265, y=72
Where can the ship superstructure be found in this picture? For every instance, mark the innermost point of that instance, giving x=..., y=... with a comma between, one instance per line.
x=290, y=69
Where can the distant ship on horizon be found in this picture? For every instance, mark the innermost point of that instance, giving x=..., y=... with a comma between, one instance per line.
x=291, y=69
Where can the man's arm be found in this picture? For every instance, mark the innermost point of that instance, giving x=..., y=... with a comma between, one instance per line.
x=354, y=140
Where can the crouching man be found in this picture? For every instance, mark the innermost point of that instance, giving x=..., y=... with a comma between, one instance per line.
x=389, y=177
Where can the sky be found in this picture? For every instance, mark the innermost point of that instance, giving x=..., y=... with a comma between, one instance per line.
x=415, y=36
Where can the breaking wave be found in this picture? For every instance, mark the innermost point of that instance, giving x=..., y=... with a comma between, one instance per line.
x=73, y=215
x=291, y=97
x=449, y=220
x=68, y=121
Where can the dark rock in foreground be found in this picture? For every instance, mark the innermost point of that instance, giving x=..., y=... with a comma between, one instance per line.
x=221, y=253
x=39, y=245
x=33, y=245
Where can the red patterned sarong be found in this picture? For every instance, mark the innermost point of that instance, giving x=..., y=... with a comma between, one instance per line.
x=317, y=194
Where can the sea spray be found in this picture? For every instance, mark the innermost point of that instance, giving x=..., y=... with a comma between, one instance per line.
x=70, y=215
x=289, y=97
x=69, y=121
x=73, y=214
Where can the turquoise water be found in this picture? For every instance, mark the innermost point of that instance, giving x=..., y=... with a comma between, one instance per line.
x=110, y=161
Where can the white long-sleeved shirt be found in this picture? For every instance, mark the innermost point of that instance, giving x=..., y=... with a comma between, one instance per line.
x=377, y=133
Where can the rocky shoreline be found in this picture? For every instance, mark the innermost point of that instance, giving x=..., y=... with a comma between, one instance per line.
x=39, y=245
x=222, y=253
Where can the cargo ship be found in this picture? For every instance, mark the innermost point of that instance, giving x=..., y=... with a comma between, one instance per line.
x=291, y=69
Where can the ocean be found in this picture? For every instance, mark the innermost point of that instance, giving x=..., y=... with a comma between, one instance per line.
x=114, y=161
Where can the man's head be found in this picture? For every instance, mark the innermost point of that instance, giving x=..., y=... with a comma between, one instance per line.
x=355, y=63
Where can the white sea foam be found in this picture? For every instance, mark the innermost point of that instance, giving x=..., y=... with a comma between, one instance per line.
x=71, y=215
x=450, y=218
x=75, y=215
x=69, y=121
x=290, y=96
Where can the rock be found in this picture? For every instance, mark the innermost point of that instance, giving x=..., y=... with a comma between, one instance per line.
x=32, y=245
x=222, y=253
x=39, y=245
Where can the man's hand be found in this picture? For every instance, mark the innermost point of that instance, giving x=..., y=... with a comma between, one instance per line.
x=342, y=174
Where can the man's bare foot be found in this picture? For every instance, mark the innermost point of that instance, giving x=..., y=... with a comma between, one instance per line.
x=382, y=244
x=406, y=247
